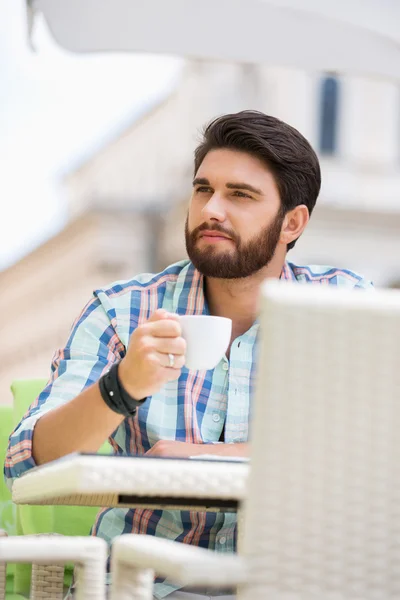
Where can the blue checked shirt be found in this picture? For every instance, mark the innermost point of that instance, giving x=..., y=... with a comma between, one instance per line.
x=195, y=408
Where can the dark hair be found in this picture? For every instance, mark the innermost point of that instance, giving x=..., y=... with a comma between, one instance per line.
x=282, y=148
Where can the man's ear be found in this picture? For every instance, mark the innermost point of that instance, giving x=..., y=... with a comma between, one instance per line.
x=294, y=223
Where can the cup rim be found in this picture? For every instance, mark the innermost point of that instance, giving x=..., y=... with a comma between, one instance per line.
x=213, y=317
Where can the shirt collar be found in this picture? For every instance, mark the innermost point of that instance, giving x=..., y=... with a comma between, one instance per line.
x=189, y=296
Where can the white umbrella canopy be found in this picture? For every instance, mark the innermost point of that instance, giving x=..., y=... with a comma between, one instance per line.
x=353, y=36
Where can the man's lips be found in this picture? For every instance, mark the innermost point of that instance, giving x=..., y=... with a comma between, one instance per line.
x=213, y=235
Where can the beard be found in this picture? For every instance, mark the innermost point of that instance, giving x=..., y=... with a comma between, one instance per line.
x=244, y=260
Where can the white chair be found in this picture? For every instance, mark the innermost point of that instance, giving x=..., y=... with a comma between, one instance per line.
x=88, y=553
x=47, y=581
x=322, y=514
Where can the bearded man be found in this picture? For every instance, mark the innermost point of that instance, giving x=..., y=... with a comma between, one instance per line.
x=256, y=182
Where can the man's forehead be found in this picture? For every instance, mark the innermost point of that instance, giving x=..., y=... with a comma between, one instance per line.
x=224, y=161
x=234, y=168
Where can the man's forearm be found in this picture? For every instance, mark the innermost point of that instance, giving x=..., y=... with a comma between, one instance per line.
x=81, y=425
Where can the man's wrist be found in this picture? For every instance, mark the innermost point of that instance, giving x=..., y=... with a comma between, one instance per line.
x=125, y=384
x=114, y=394
x=125, y=391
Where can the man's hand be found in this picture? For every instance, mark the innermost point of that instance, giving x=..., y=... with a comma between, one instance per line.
x=174, y=449
x=145, y=368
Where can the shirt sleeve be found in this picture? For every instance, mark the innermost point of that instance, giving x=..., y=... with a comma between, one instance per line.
x=93, y=346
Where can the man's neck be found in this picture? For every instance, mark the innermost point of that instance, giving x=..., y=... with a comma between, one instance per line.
x=238, y=299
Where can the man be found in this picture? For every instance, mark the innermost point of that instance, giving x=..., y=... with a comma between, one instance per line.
x=256, y=182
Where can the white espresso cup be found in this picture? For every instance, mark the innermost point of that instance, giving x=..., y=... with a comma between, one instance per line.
x=207, y=339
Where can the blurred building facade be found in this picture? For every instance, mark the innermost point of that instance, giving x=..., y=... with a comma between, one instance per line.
x=127, y=203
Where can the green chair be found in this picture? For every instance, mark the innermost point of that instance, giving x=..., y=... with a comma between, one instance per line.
x=31, y=520
x=7, y=508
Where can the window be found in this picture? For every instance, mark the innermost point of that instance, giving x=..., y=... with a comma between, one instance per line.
x=329, y=115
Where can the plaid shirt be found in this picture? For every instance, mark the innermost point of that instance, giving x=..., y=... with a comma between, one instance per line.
x=195, y=408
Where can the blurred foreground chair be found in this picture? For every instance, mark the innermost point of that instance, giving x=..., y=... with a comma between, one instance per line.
x=88, y=553
x=322, y=515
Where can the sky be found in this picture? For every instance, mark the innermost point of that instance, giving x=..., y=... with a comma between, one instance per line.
x=57, y=108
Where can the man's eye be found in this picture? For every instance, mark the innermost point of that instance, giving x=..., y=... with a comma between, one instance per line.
x=204, y=189
x=241, y=194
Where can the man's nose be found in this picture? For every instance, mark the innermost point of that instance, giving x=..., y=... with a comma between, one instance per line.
x=214, y=209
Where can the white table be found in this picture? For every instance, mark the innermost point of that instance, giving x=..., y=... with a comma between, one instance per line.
x=135, y=481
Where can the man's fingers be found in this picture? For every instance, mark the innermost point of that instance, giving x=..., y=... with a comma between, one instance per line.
x=161, y=314
x=159, y=359
x=158, y=315
x=177, y=362
x=165, y=328
x=175, y=346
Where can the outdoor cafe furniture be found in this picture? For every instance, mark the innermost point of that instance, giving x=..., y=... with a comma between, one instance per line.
x=122, y=481
x=321, y=501
x=141, y=482
x=88, y=553
x=135, y=481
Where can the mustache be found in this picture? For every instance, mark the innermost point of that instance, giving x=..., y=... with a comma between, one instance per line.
x=214, y=227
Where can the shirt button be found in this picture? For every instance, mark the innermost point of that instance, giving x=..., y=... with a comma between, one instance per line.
x=222, y=540
x=225, y=366
x=216, y=417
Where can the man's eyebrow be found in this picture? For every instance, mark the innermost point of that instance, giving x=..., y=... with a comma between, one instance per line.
x=201, y=181
x=244, y=186
x=231, y=186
